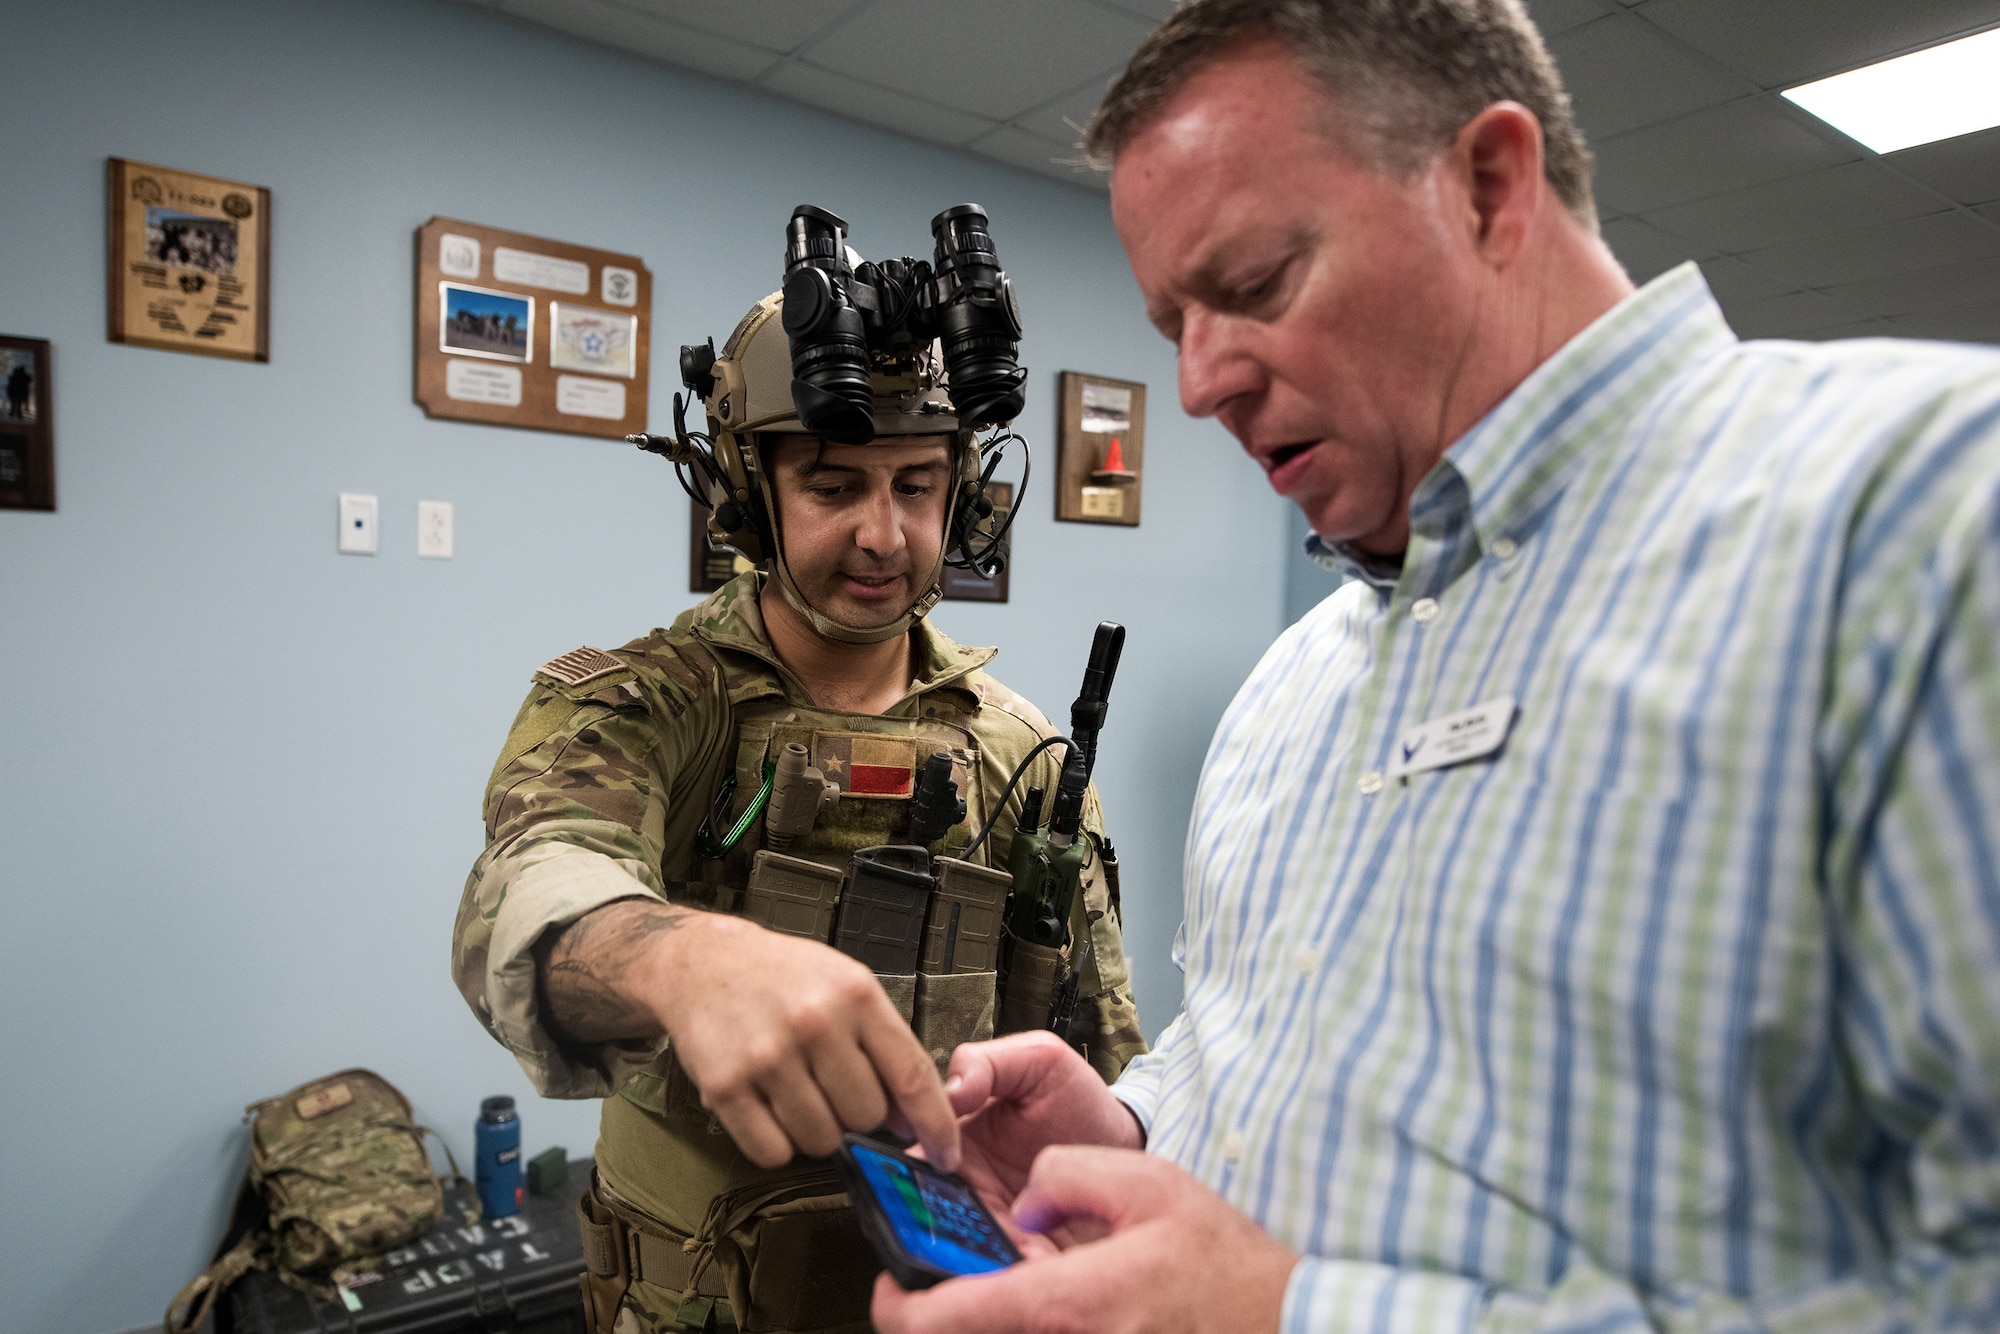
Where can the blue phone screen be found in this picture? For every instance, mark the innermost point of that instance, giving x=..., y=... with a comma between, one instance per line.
x=937, y=1220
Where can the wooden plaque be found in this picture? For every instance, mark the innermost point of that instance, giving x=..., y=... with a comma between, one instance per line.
x=27, y=425
x=1101, y=449
x=189, y=268
x=518, y=330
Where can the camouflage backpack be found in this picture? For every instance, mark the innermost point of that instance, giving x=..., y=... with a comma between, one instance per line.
x=340, y=1175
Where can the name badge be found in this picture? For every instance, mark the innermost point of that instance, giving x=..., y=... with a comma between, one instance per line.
x=1455, y=738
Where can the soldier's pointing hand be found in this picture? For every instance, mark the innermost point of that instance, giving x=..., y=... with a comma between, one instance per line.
x=789, y=1041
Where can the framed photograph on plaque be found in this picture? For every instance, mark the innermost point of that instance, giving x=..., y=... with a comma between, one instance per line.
x=189, y=262
x=1100, y=449
x=518, y=330
x=27, y=425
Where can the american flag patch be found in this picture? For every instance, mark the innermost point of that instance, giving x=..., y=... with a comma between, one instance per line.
x=867, y=765
x=579, y=665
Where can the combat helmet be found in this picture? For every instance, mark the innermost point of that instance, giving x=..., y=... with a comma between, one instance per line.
x=761, y=384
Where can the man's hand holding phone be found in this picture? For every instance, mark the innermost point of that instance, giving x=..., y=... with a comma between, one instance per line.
x=1017, y=1095
x=1113, y=1239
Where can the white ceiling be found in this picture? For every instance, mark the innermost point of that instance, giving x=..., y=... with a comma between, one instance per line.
x=1801, y=231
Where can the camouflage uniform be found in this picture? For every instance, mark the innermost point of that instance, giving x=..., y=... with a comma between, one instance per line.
x=597, y=797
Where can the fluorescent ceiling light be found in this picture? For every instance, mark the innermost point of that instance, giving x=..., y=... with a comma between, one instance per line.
x=1935, y=93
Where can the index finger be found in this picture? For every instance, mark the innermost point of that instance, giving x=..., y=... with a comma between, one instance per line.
x=912, y=1083
x=1004, y=1068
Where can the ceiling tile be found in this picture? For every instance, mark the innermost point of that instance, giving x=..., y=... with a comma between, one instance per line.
x=961, y=53
x=1017, y=148
x=1858, y=329
x=1732, y=280
x=642, y=34
x=774, y=25
x=1738, y=144
x=1967, y=167
x=1786, y=316
x=1968, y=324
x=1877, y=252
x=1622, y=75
x=1782, y=43
x=1941, y=288
x=1159, y=11
x=1769, y=202
x=1054, y=120
x=1554, y=16
x=1853, y=194
x=1646, y=251
x=877, y=106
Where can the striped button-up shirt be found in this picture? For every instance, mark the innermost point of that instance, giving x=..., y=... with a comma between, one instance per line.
x=1681, y=1008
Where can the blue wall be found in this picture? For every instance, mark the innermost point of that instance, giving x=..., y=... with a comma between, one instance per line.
x=241, y=772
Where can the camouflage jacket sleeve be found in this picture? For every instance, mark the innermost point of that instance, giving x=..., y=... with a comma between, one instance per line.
x=577, y=815
x=1106, y=1022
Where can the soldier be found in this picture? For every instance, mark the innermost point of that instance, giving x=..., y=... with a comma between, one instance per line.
x=599, y=940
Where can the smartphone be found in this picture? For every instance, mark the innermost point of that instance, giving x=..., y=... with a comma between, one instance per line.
x=927, y=1225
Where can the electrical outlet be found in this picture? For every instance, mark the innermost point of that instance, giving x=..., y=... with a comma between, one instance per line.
x=434, y=529
x=357, y=524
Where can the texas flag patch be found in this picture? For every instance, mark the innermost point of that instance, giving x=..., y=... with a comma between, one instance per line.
x=867, y=765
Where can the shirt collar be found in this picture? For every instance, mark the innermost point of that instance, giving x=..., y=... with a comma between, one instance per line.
x=1351, y=562
x=1520, y=455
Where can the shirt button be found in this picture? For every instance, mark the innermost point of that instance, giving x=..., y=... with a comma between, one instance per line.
x=1371, y=783
x=1424, y=610
x=1505, y=548
x=1232, y=1146
x=1308, y=962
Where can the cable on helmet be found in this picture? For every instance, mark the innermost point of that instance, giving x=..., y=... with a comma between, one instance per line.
x=851, y=351
x=991, y=557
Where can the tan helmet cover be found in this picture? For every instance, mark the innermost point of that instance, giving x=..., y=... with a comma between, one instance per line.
x=752, y=396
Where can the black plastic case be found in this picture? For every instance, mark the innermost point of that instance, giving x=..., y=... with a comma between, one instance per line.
x=514, y=1275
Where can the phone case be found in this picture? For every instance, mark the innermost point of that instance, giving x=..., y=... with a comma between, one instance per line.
x=908, y=1271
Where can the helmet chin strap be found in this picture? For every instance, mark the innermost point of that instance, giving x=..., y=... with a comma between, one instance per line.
x=826, y=626
x=839, y=631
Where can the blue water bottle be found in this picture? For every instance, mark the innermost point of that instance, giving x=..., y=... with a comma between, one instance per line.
x=497, y=1141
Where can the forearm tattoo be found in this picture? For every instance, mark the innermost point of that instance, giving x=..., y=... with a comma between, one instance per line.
x=584, y=965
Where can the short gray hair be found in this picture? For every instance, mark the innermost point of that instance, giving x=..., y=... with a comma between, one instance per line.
x=1408, y=74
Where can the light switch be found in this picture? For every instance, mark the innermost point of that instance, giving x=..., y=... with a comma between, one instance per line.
x=434, y=529
x=357, y=524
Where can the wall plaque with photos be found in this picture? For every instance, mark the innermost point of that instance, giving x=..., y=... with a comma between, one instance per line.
x=518, y=330
x=190, y=262
x=27, y=425
x=1101, y=449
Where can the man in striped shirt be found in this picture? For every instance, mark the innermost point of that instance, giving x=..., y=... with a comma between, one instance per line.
x=1592, y=911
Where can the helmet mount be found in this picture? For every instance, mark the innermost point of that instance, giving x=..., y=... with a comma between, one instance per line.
x=890, y=374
